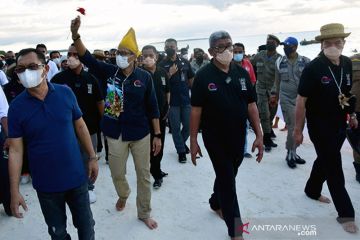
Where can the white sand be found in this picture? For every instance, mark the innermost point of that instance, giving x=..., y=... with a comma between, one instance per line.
x=268, y=192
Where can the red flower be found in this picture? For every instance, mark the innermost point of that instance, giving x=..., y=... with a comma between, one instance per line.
x=81, y=10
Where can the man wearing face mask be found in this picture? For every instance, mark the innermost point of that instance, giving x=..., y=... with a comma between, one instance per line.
x=239, y=58
x=265, y=69
x=198, y=60
x=89, y=97
x=180, y=79
x=55, y=56
x=50, y=122
x=223, y=99
x=53, y=69
x=324, y=97
x=130, y=105
x=161, y=85
x=287, y=75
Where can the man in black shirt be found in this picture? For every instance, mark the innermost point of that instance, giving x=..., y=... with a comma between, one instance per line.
x=324, y=96
x=223, y=99
x=181, y=76
x=88, y=95
x=161, y=85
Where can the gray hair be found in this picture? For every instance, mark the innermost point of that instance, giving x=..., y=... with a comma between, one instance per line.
x=218, y=35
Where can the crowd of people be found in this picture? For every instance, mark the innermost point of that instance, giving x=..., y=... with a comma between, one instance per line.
x=58, y=111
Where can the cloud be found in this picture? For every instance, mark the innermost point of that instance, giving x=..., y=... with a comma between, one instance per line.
x=218, y=4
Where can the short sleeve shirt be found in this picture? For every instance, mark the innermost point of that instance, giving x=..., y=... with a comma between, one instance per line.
x=224, y=99
x=47, y=128
x=318, y=83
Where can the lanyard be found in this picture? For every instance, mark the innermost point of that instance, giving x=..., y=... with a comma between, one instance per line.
x=341, y=78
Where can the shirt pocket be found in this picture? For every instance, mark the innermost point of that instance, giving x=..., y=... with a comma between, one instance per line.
x=284, y=74
x=260, y=67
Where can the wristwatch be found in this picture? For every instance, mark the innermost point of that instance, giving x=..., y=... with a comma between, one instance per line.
x=157, y=135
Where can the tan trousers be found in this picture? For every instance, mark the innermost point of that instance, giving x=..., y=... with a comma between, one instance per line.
x=118, y=155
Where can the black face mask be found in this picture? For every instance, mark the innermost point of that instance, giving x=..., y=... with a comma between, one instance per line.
x=270, y=47
x=170, y=52
x=9, y=61
x=199, y=59
x=288, y=51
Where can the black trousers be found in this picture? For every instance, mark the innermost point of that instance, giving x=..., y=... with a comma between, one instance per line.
x=224, y=196
x=155, y=161
x=328, y=138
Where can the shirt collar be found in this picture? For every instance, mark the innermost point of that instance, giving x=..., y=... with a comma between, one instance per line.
x=51, y=89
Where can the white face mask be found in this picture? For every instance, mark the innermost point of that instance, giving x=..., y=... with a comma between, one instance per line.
x=31, y=78
x=225, y=57
x=122, y=62
x=149, y=62
x=332, y=53
x=56, y=61
x=73, y=62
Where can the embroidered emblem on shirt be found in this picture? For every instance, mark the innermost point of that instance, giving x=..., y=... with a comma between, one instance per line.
x=89, y=86
x=243, y=84
x=348, y=82
x=137, y=83
x=163, y=81
x=212, y=87
x=325, y=80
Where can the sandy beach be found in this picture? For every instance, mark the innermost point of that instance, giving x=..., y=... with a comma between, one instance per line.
x=270, y=197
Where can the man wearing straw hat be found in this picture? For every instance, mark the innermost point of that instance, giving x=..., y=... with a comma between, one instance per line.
x=130, y=105
x=324, y=97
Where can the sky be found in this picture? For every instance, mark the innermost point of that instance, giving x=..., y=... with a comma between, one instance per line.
x=24, y=23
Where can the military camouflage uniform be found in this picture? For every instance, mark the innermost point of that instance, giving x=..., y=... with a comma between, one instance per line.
x=287, y=77
x=265, y=69
x=356, y=91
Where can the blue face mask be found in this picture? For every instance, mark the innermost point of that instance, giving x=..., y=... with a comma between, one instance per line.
x=238, y=57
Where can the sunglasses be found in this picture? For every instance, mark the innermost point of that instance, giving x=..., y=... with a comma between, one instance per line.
x=32, y=66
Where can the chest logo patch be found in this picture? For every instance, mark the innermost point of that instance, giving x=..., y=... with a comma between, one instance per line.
x=325, y=80
x=90, y=88
x=348, y=82
x=243, y=84
x=163, y=81
x=212, y=87
x=137, y=83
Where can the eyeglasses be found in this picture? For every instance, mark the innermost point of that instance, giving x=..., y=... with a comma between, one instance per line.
x=31, y=66
x=221, y=49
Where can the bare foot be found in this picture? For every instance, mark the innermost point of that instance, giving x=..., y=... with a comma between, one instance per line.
x=120, y=205
x=350, y=227
x=149, y=222
x=324, y=199
x=284, y=129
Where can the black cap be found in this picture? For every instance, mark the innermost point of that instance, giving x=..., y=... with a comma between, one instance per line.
x=273, y=37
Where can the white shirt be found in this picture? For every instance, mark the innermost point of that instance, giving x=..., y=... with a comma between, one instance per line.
x=53, y=69
x=3, y=78
x=4, y=106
